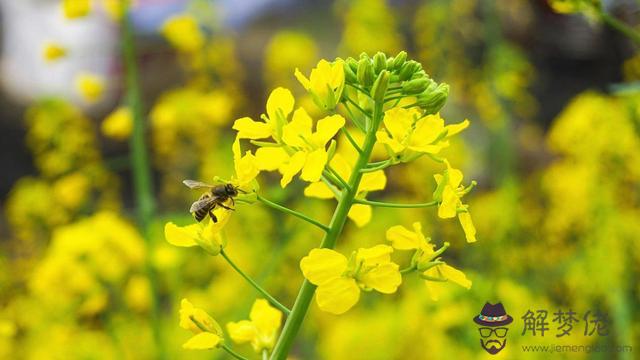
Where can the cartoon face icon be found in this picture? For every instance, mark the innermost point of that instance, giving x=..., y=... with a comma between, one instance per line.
x=493, y=339
x=493, y=331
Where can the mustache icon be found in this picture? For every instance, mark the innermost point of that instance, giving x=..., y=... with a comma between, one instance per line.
x=489, y=342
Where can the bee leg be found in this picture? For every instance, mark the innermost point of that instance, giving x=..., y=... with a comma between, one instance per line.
x=225, y=207
x=213, y=216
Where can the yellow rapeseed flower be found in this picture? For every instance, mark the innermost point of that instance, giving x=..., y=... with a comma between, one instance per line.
x=372, y=181
x=119, y=124
x=310, y=154
x=449, y=193
x=340, y=280
x=262, y=328
x=325, y=84
x=434, y=271
x=404, y=239
x=443, y=273
x=207, y=332
x=279, y=106
x=74, y=9
x=52, y=52
x=406, y=132
x=245, y=165
x=90, y=87
x=183, y=33
x=207, y=236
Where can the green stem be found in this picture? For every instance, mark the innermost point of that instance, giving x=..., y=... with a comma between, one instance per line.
x=262, y=291
x=293, y=212
x=265, y=354
x=333, y=172
x=351, y=139
x=145, y=204
x=407, y=270
x=625, y=29
x=382, y=166
x=363, y=111
x=396, y=205
x=346, y=200
x=233, y=353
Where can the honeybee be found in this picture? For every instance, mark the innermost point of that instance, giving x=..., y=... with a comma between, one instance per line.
x=216, y=196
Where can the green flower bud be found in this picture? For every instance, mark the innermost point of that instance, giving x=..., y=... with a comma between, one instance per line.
x=331, y=150
x=379, y=88
x=365, y=72
x=350, y=74
x=408, y=69
x=399, y=60
x=353, y=64
x=431, y=101
x=415, y=86
x=390, y=63
x=379, y=62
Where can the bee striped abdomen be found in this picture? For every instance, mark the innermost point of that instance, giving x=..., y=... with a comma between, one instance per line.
x=201, y=214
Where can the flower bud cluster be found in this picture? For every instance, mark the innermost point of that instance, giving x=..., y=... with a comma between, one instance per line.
x=378, y=74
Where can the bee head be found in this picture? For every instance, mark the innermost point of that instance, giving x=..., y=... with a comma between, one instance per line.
x=231, y=190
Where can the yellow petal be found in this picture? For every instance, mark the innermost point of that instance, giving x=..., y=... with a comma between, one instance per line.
x=242, y=331
x=318, y=190
x=384, y=278
x=295, y=132
x=189, y=313
x=450, y=202
x=455, y=177
x=360, y=214
x=467, y=226
x=181, y=235
x=302, y=79
x=291, y=168
x=202, y=341
x=322, y=265
x=326, y=128
x=456, y=128
x=395, y=145
x=337, y=296
x=378, y=254
x=454, y=275
x=266, y=318
x=249, y=129
x=270, y=158
x=186, y=310
x=341, y=166
x=398, y=121
x=402, y=239
x=282, y=99
x=427, y=130
x=246, y=169
x=373, y=181
x=429, y=149
x=314, y=164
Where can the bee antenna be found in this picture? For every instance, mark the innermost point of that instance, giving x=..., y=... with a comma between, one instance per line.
x=242, y=191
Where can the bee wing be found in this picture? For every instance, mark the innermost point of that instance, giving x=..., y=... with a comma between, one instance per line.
x=193, y=184
x=203, y=203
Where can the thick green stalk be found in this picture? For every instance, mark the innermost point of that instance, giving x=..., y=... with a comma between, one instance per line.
x=346, y=200
x=145, y=204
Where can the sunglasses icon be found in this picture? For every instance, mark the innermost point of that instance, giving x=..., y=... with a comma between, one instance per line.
x=487, y=331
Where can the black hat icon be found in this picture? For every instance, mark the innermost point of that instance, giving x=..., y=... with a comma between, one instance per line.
x=493, y=315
